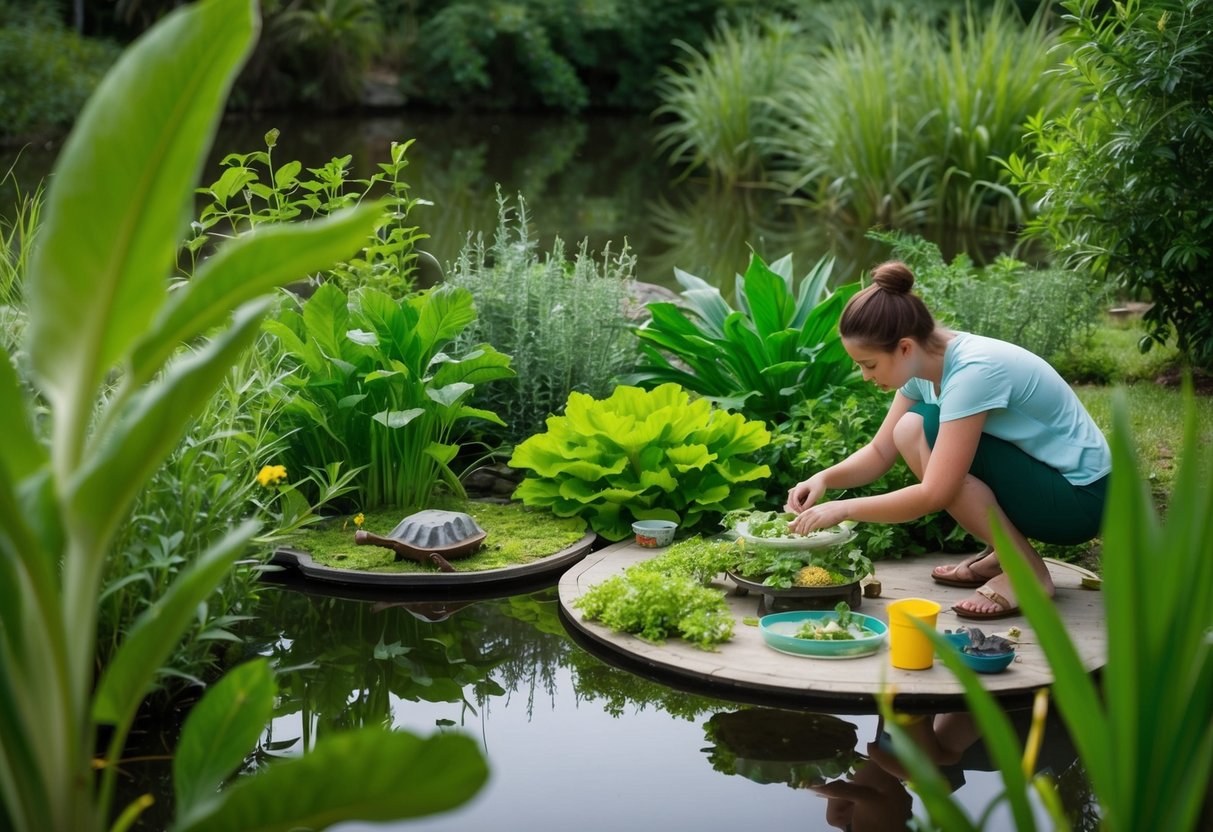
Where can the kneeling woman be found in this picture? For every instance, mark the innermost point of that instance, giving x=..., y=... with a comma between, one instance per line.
x=987, y=427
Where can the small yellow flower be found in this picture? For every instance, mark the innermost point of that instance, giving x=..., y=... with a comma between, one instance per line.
x=271, y=474
x=359, y=519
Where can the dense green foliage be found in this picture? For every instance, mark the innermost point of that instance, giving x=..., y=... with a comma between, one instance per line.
x=1049, y=311
x=1144, y=727
x=560, y=320
x=779, y=348
x=641, y=455
x=113, y=391
x=374, y=386
x=46, y=71
x=253, y=191
x=1124, y=181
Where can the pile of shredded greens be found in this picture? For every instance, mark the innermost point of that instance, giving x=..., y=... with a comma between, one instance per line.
x=845, y=627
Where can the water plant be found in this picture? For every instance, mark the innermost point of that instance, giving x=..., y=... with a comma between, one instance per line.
x=641, y=455
x=717, y=102
x=560, y=320
x=375, y=386
x=101, y=314
x=1144, y=730
x=780, y=347
x=895, y=122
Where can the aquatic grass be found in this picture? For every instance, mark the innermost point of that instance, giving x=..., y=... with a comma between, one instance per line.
x=718, y=100
x=897, y=122
x=17, y=235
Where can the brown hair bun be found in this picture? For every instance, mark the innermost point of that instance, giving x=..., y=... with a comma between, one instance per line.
x=893, y=276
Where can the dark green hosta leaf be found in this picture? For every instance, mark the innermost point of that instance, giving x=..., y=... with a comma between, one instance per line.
x=369, y=774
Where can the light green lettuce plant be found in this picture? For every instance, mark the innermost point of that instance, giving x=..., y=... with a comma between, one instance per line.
x=642, y=455
x=379, y=385
x=1144, y=729
x=101, y=315
x=779, y=347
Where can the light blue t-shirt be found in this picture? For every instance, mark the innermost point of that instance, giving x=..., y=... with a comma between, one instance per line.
x=1027, y=402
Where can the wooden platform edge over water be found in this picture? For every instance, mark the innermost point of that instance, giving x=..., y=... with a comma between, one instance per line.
x=747, y=665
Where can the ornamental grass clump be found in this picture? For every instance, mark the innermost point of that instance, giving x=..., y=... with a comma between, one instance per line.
x=642, y=455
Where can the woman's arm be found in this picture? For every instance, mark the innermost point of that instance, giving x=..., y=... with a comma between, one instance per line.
x=946, y=469
x=865, y=465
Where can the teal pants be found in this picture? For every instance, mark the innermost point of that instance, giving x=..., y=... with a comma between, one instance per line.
x=1042, y=503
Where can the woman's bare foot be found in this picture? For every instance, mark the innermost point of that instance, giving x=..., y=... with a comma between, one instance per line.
x=974, y=570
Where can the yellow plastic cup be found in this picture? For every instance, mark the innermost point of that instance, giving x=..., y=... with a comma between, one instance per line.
x=909, y=648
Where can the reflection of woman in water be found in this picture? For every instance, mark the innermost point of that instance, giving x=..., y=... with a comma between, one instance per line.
x=875, y=798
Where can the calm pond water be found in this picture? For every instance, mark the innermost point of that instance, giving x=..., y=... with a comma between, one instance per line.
x=571, y=740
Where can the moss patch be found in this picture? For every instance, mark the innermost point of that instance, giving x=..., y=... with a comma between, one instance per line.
x=516, y=536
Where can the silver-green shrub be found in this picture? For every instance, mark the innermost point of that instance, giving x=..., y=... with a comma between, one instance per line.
x=562, y=320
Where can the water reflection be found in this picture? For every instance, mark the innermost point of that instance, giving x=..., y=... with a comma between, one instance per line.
x=569, y=738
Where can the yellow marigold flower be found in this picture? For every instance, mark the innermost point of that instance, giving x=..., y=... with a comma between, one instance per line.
x=271, y=474
x=359, y=519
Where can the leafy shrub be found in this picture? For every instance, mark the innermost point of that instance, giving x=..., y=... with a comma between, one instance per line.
x=252, y=192
x=1048, y=311
x=560, y=321
x=375, y=389
x=46, y=71
x=641, y=455
x=1123, y=181
x=823, y=431
x=779, y=348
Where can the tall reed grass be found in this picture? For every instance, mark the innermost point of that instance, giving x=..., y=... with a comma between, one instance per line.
x=904, y=122
x=718, y=101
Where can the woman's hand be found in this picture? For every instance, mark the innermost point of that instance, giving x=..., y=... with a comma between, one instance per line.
x=804, y=494
x=823, y=516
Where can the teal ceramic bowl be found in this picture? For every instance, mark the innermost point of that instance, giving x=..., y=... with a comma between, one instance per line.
x=779, y=632
x=988, y=664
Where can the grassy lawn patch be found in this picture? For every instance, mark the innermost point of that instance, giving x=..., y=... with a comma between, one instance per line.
x=516, y=536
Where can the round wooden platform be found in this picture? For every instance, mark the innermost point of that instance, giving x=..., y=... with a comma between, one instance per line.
x=746, y=668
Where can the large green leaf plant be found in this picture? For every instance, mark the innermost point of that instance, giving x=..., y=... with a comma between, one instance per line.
x=642, y=455
x=101, y=314
x=778, y=348
x=1144, y=730
x=380, y=384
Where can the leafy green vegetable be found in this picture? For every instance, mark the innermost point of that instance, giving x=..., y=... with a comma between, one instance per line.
x=641, y=455
x=696, y=558
x=844, y=627
x=656, y=606
x=778, y=567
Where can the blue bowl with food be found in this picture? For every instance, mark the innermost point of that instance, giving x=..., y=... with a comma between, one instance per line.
x=995, y=663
